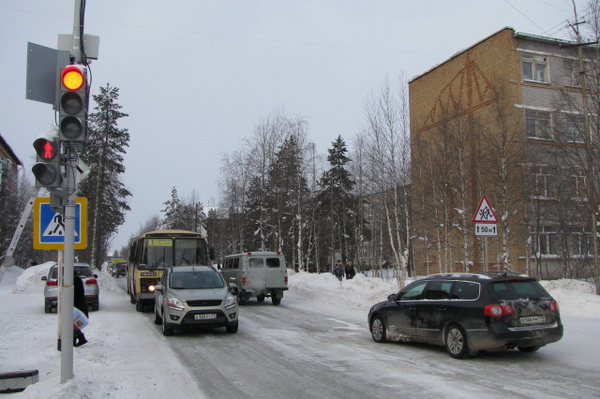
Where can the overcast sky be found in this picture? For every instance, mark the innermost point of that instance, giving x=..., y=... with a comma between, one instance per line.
x=197, y=76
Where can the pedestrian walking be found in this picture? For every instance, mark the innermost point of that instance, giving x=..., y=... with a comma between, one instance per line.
x=349, y=270
x=338, y=270
x=80, y=303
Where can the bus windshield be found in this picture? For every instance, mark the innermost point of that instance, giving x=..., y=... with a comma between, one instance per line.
x=164, y=252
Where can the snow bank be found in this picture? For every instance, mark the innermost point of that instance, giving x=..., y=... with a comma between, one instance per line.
x=574, y=297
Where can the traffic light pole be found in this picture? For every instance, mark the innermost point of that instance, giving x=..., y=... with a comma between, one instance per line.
x=67, y=293
x=66, y=289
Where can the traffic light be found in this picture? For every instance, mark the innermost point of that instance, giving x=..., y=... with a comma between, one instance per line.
x=47, y=170
x=73, y=104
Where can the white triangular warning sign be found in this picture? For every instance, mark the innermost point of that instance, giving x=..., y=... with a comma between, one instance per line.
x=56, y=227
x=485, y=213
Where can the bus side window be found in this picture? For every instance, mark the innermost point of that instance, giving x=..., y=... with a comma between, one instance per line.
x=236, y=263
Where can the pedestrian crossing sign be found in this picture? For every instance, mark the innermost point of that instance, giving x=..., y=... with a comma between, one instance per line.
x=49, y=226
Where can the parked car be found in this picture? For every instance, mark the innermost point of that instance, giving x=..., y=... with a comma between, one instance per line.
x=90, y=283
x=468, y=313
x=195, y=296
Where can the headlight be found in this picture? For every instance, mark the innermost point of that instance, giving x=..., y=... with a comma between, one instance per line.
x=175, y=304
x=230, y=302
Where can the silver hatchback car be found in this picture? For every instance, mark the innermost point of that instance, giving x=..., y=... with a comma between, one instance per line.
x=195, y=296
x=90, y=284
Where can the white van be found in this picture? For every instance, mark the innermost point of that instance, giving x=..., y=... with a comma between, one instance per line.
x=257, y=274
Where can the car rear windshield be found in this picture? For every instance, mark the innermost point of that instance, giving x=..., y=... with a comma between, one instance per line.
x=195, y=280
x=82, y=271
x=514, y=290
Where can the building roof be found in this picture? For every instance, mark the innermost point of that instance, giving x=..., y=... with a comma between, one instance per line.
x=4, y=145
x=517, y=35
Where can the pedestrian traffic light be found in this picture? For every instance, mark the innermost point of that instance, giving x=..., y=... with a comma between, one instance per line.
x=73, y=103
x=47, y=170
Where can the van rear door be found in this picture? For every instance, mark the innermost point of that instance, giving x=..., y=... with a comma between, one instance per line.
x=275, y=272
x=256, y=280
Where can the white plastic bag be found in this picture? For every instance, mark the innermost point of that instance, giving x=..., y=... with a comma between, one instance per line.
x=79, y=318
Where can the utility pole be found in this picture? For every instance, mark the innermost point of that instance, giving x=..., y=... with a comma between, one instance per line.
x=589, y=147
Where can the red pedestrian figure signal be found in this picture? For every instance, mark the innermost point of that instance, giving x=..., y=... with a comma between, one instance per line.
x=48, y=151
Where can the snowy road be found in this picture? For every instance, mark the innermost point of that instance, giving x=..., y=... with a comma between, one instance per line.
x=314, y=345
x=295, y=351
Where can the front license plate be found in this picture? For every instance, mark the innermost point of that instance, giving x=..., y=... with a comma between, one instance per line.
x=210, y=316
x=532, y=320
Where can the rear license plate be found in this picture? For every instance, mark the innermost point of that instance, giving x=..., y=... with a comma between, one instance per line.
x=532, y=320
x=210, y=316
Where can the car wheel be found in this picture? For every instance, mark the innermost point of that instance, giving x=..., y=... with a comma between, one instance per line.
x=139, y=306
x=232, y=328
x=240, y=299
x=260, y=298
x=157, y=318
x=456, y=342
x=528, y=349
x=276, y=301
x=166, y=330
x=378, y=329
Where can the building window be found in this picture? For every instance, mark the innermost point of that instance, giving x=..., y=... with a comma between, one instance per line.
x=546, y=243
x=580, y=243
x=534, y=68
x=537, y=124
x=579, y=188
x=544, y=180
x=575, y=132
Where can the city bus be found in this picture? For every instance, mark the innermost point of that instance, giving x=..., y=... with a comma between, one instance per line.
x=152, y=252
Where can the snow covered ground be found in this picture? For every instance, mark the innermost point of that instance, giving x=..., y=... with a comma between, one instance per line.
x=116, y=363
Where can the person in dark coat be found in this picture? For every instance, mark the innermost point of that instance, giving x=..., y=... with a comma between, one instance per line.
x=79, y=303
x=349, y=270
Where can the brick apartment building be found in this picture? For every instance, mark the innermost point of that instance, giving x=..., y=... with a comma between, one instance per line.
x=503, y=119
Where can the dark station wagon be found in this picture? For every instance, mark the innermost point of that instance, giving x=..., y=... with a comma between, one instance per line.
x=468, y=312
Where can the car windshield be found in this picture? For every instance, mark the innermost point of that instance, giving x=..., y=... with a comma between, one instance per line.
x=195, y=280
x=514, y=290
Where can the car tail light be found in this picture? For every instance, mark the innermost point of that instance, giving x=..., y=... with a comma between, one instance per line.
x=52, y=283
x=553, y=306
x=91, y=281
x=243, y=281
x=285, y=280
x=498, y=310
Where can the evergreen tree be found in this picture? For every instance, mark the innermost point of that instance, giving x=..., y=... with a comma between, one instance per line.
x=336, y=202
x=107, y=195
x=287, y=195
x=183, y=215
x=172, y=212
x=257, y=231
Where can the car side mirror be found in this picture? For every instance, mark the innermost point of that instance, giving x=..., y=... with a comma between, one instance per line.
x=44, y=278
x=392, y=297
x=158, y=287
x=95, y=276
x=233, y=288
